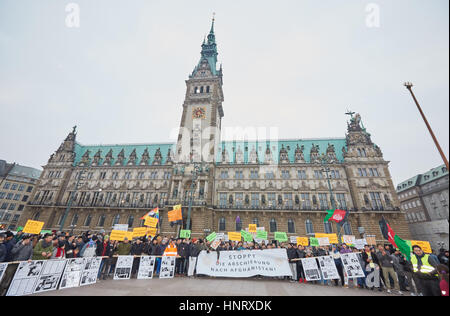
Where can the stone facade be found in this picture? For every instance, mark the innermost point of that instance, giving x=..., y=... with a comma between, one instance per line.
x=283, y=185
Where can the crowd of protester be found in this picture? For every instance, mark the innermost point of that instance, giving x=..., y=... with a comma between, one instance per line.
x=422, y=275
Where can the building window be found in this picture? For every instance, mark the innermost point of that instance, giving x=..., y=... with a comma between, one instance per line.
x=291, y=226
x=222, y=223
x=306, y=202
x=318, y=174
x=253, y=174
x=238, y=226
x=101, y=221
x=21, y=187
x=255, y=199
x=376, y=201
x=301, y=174
x=74, y=220
x=309, y=227
x=116, y=220
x=271, y=199
x=285, y=174
x=12, y=206
x=29, y=189
x=7, y=185
x=328, y=228
x=21, y=207
x=341, y=201
x=347, y=228
x=88, y=220
x=14, y=186
x=255, y=221
x=323, y=201
x=130, y=221
x=16, y=197
x=25, y=198
x=273, y=225
x=224, y=175
x=36, y=216
x=270, y=175
x=239, y=199
x=288, y=200
x=223, y=199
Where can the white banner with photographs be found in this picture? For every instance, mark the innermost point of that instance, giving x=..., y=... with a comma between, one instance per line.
x=51, y=274
x=167, y=270
x=352, y=266
x=72, y=273
x=25, y=278
x=243, y=264
x=123, y=267
x=146, y=267
x=328, y=268
x=3, y=267
x=90, y=271
x=311, y=269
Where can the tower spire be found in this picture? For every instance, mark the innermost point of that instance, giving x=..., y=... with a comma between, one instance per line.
x=212, y=24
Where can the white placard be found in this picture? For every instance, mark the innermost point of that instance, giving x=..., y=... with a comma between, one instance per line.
x=349, y=239
x=146, y=267
x=90, y=271
x=122, y=227
x=167, y=270
x=50, y=276
x=323, y=241
x=328, y=268
x=360, y=243
x=293, y=239
x=192, y=264
x=25, y=278
x=220, y=236
x=311, y=269
x=238, y=264
x=123, y=267
x=72, y=273
x=352, y=266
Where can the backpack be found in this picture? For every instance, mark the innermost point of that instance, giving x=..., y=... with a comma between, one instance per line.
x=90, y=250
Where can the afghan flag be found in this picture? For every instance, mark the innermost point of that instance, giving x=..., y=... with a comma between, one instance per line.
x=337, y=216
x=394, y=239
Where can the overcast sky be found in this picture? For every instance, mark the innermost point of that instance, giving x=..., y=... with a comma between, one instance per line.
x=293, y=64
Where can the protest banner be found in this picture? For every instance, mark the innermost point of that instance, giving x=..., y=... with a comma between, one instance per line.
x=215, y=243
x=311, y=269
x=90, y=270
x=72, y=273
x=3, y=267
x=222, y=236
x=151, y=222
x=313, y=242
x=122, y=227
x=51, y=274
x=280, y=236
x=239, y=264
x=123, y=267
x=352, y=266
x=246, y=236
x=332, y=238
x=185, y=233
x=33, y=227
x=139, y=232
x=234, y=236
x=348, y=239
x=175, y=214
x=151, y=231
x=328, y=268
x=323, y=241
x=211, y=236
x=425, y=245
x=252, y=228
x=293, y=239
x=118, y=235
x=371, y=240
x=167, y=268
x=192, y=264
x=146, y=267
x=302, y=241
x=260, y=234
x=25, y=278
x=360, y=243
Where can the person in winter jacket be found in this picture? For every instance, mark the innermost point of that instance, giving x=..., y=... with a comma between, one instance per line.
x=70, y=247
x=9, y=243
x=137, y=249
x=90, y=248
x=59, y=252
x=123, y=248
x=23, y=250
x=44, y=248
x=3, y=250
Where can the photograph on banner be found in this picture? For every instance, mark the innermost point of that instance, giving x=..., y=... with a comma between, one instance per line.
x=139, y=232
x=90, y=271
x=302, y=241
x=146, y=267
x=348, y=239
x=123, y=267
x=151, y=222
x=25, y=278
x=3, y=267
x=311, y=269
x=328, y=268
x=33, y=227
x=51, y=274
x=252, y=228
x=323, y=241
x=72, y=273
x=233, y=236
x=243, y=264
x=352, y=266
x=167, y=270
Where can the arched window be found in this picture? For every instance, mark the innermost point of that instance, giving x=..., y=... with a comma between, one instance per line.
x=222, y=223
x=347, y=228
x=116, y=220
x=36, y=216
x=328, y=228
x=207, y=89
x=201, y=89
x=291, y=226
x=273, y=225
x=74, y=220
x=255, y=221
x=309, y=227
x=238, y=226
x=88, y=220
x=130, y=221
x=101, y=221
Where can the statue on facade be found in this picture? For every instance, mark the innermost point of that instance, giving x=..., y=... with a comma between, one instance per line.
x=268, y=159
x=284, y=155
x=299, y=157
x=239, y=156
x=253, y=156
x=314, y=154
x=157, y=159
x=97, y=157
x=120, y=157
x=132, y=158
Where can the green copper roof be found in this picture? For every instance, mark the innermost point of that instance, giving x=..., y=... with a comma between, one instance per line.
x=209, y=52
x=423, y=178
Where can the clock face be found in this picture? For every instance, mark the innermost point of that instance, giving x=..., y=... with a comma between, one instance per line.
x=199, y=113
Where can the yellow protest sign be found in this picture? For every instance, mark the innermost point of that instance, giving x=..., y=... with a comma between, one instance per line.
x=302, y=241
x=151, y=231
x=252, y=228
x=425, y=245
x=234, y=236
x=151, y=222
x=333, y=239
x=33, y=227
x=139, y=232
x=129, y=235
x=118, y=235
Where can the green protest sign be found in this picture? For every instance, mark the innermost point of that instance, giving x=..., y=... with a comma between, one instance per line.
x=211, y=236
x=313, y=242
x=247, y=236
x=185, y=233
x=261, y=234
x=281, y=237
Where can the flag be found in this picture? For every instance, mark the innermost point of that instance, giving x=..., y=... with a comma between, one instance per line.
x=175, y=214
x=403, y=246
x=394, y=239
x=337, y=216
x=152, y=213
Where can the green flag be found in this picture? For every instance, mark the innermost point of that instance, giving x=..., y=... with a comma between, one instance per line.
x=403, y=246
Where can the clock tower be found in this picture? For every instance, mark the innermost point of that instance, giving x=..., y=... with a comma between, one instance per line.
x=199, y=134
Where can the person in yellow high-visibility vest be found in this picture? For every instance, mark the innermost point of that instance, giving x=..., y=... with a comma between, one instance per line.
x=424, y=273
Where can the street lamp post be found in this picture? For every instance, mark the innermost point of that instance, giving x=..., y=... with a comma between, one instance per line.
x=72, y=196
x=409, y=86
